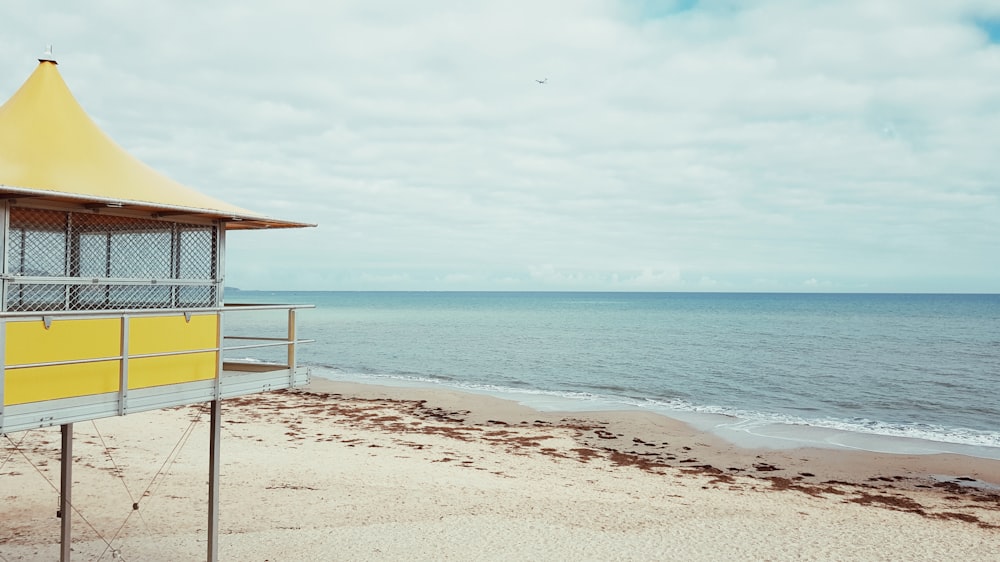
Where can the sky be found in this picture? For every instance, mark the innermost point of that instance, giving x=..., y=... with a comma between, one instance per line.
x=677, y=145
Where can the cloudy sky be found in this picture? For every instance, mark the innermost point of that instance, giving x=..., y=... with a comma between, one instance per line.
x=685, y=145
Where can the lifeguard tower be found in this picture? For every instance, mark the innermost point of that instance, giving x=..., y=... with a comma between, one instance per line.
x=111, y=288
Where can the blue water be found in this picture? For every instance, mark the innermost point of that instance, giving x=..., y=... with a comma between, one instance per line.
x=765, y=369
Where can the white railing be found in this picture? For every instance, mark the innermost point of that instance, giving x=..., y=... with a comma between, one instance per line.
x=289, y=341
x=242, y=328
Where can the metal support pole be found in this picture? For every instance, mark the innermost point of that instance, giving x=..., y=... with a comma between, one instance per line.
x=65, y=493
x=123, y=367
x=213, y=481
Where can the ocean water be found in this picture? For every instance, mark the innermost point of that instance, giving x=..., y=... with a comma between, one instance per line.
x=882, y=372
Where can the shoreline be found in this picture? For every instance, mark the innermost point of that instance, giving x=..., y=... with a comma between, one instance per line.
x=642, y=429
x=349, y=471
x=759, y=434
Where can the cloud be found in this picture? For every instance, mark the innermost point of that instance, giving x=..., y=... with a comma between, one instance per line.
x=751, y=144
x=815, y=284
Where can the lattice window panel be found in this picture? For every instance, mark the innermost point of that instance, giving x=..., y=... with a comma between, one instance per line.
x=60, y=260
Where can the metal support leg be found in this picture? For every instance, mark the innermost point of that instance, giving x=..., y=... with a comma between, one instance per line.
x=66, y=493
x=213, y=481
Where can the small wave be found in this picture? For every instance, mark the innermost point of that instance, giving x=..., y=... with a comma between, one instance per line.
x=608, y=387
x=571, y=400
x=337, y=372
x=926, y=432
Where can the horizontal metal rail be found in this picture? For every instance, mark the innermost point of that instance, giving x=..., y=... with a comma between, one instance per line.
x=111, y=358
x=61, y=363
x=242, y=306
x=254, y=338
x=119, y=314
x=88, y=281
x=262, y=345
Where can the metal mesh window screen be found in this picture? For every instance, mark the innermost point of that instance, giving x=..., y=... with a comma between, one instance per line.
x=37, y=244
x=82, y=261
x=192, y=263
x=36, y=297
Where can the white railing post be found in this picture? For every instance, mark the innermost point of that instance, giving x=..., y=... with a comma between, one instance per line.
x=291, y=345
x=220, y=336
x=3, y=363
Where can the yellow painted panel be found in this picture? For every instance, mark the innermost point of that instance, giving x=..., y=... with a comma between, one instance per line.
x=171, y=369
x=64, y=340
x=158, y=334
x=60, y=381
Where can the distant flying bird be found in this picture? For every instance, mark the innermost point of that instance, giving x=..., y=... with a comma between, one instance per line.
x=542, y=81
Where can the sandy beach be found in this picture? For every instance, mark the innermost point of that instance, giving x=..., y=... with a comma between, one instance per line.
x=340, y=471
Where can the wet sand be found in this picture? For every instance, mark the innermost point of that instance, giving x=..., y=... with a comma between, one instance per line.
x=342, y=471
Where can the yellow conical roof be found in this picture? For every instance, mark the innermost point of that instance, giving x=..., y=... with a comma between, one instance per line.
x=50, y=148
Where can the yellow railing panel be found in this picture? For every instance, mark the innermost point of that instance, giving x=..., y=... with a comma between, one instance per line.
x=64, y=340
x=34, y=384
x=160, y=334
x=171, y=369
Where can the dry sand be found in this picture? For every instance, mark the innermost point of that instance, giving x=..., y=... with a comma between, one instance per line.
x=354, y=472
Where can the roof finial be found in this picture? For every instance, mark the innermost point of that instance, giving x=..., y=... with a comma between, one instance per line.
x=47, y=55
